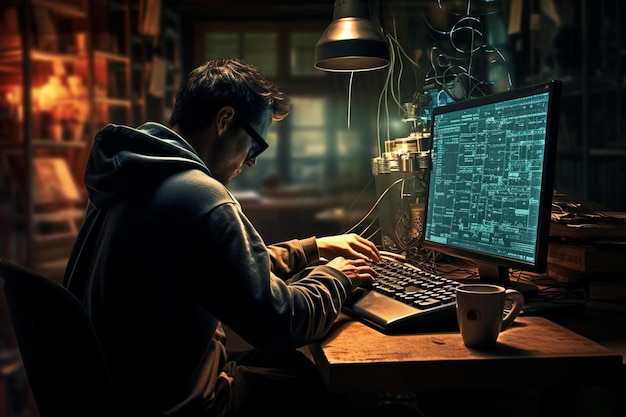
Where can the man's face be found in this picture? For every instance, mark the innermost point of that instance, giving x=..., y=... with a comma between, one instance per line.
x=236, y=148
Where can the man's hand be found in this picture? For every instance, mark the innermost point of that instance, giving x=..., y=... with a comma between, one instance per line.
x=357, y=271
x=351, y=246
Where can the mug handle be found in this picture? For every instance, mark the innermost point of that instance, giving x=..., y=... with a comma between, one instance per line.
x=517, y=300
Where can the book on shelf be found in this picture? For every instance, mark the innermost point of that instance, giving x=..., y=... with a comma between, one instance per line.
x=565, y=275
x=150, y=17
x=53, y=182
x=587, y=257
x=157, y=86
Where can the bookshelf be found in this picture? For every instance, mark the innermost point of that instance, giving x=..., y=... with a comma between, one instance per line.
x=64, y=72
x=111, y=62
x=156, y=68
x=163, y=75
x=586, y=51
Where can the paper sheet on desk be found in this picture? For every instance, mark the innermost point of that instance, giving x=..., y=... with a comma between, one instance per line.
x=614, y=214
x=589, y=231
x=589, y=224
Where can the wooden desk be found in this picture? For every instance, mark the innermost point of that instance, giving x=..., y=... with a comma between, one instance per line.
x=355, y=358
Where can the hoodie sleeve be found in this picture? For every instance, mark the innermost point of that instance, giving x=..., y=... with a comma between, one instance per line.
x=230, y=269
x=290, y=257
x=277, y=314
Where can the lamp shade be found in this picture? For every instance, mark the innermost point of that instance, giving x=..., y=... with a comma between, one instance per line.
x=351, y=42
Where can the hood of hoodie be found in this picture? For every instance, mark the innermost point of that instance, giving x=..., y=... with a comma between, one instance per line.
x=125, y=160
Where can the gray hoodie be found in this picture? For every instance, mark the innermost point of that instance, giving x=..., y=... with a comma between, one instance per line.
x=165, y=255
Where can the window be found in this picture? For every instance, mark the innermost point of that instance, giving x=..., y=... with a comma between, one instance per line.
x=307, y=147
x=302, y=54
x=257, y=48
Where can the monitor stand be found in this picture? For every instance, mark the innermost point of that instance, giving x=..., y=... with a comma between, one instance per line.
x=528, y=290
x=496, y=274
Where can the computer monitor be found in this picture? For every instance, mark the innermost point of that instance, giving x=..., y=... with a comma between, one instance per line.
x=491, y=181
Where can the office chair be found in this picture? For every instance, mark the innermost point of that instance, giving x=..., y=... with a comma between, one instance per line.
x=61, y=353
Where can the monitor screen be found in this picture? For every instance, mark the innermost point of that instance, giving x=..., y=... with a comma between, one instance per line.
x=491, y=180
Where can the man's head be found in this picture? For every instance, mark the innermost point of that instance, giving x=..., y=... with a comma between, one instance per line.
x=224, y=109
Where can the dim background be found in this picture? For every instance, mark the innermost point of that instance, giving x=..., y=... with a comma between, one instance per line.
x=68, y=67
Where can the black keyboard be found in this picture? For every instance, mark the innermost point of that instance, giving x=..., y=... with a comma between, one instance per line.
x=404, y=298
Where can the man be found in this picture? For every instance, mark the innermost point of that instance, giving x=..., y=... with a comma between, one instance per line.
x=165, y=256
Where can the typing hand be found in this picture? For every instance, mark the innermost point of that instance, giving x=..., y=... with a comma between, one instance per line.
x=358, y=271
x=351, y=246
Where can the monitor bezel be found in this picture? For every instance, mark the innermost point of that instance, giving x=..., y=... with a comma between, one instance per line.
x=493, y=268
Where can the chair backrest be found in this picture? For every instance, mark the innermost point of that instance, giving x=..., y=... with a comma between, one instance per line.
x=61, y=353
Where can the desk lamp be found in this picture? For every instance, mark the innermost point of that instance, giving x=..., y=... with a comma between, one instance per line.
x=351, y=42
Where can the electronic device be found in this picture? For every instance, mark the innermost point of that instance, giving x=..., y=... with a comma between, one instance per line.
x=489, y=201
x=491, y=181
x=404, y=297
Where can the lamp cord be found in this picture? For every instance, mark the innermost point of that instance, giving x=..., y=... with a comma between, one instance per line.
x=350, y=97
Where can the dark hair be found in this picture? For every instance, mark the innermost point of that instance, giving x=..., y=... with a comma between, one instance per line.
x=226, y=82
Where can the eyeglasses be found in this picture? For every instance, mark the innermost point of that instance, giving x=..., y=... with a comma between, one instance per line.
x=259, y=145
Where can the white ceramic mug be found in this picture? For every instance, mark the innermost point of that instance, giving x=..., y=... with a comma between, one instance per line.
x=480, y=312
